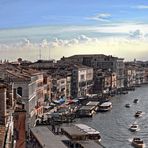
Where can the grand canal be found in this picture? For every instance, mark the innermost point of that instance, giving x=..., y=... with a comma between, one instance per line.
x=113, y=125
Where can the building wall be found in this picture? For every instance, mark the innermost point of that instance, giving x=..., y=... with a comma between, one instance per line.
x=3, y=105
x=32, y=95
x=20, y=129
x=99, y=61
x=59, y=87
x=81, y=81
x=114, y=81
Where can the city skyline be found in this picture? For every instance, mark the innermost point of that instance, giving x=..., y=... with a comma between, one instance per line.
x=64, y=28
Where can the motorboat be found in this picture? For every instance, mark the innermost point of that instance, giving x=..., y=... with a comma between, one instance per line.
x=134, y=127
x=138, y=114
x=136, y=101
x=138, y=143
x=106, y=106
x=127, y=105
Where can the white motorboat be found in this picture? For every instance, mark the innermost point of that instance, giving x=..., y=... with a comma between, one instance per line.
x=138, y=114
x=134, y=127
x=106, y=106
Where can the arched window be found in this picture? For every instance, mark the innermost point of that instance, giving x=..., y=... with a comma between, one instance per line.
x=19, y=91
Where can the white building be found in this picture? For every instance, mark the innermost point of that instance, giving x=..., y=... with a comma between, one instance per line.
x=28, y=84
x=82, y=79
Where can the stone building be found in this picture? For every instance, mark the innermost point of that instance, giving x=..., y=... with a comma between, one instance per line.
x=6, y=114
x=100, y=61
x=28, y=85
x=82, y=80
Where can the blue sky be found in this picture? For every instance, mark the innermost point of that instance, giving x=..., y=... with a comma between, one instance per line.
x=23, y=13
x=61, y=22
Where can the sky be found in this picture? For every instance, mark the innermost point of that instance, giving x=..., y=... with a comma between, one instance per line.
x=57, y=28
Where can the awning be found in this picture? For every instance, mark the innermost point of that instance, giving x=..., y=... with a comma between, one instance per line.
x=60, y=101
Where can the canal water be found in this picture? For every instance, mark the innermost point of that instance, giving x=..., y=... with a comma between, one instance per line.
x=113, y=125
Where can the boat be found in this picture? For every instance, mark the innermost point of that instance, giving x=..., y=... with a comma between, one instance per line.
x=138, y=143
x=80, y=132
x=86, y=111
x=127, y=105
x=94, y=104
x=134, y=127
x=124, y=92
x=136, y=101
x=138, y=114
x=106, y=106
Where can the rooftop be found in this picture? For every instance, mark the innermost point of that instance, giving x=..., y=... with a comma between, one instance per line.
x=46, y=138
x=90, y=55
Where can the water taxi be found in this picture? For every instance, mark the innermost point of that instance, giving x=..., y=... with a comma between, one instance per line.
x=106, y=106
x=134, y=127
x=138, y=114
x=138, y=143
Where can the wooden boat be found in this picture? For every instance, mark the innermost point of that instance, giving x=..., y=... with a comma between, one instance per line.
x=138, y=143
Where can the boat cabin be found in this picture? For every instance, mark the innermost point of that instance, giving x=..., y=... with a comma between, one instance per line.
x=105, y=106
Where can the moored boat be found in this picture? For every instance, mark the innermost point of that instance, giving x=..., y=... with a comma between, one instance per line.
x=106, y=106
x=94, y=104
x=86, y=111
x=138, y=143
x=80, y=132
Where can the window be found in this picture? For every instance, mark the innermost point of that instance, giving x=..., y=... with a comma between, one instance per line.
x=19, y=91
x=82, y=77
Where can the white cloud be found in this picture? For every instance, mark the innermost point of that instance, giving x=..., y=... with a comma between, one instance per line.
x=117, y=46
x=104, y=17
x=116, y=39
x=141, y=7
x=137, y=34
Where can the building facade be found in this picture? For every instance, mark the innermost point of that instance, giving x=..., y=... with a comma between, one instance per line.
x=82, y=80
x=100, y=61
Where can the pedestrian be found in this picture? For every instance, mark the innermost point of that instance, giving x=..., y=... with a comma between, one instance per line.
x=53, y=128
x=58, y=130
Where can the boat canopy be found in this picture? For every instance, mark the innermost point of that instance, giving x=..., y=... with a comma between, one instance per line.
x=106, y=104
x=87, y=129
x=60, y=101
x=95, y=103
